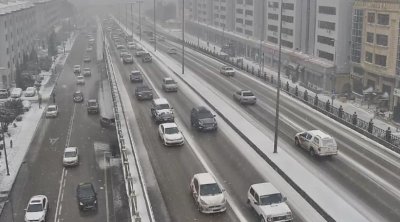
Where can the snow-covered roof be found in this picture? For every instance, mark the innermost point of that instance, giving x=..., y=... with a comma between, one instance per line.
x=13, y=6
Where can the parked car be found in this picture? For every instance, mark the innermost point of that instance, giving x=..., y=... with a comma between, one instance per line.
x=87, y=59
x=16, y=93
x=52, y=111
x=268, y=203
x=202, y=119
x=170, y=134
x=92, y=106
x=143, y=92
x=227, y=71
x=4, y=93
x=172, y=51
x=80, y=80
x=26, y=105
x=37, y=209
x=146, y=57
x=30, y=92
x=77, y=69
x=161, y=111
x=87, y=72
x=71, y=156
x=169, y=85
x=127, y=58
x=207, y=193
x=245, y=97
x=78, y=96
x=317, y=143
x=136, y=76
x=86, y=197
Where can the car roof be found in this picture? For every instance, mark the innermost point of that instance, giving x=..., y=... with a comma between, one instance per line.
x=319, y=133
x=88, y=68
x=264, y=188
x=169, y=125
x=92, y=100
x=202, y=109
x=37, y=198
x=245, y=90
x=70, y=149
x=160, y=101
x=168, y=78
x=205, y=178
x=77, y=65
x=135, y=71
x=55, y=106
x=78, y=91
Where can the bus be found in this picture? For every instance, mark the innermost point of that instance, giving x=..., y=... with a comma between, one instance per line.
x=107, y=118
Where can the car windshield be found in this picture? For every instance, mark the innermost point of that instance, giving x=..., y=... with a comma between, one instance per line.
x=162, y=106
x=36, y=207
x=136, y=73
x=85, y=191
x=205, y=114
x=143, y=89
x=228, y=68
x=51, y=109
x=77, y=94
x=271, y=199
x=209, y=189
x=70, y=154
x=171, y=130
x=92, y=103
x=248, y=94
x=170, y=81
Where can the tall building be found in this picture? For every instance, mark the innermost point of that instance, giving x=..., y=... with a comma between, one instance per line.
x=375, y=51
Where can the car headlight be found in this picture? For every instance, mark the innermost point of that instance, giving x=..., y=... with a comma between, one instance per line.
x=201, y=123
x=202, y=202
x=80, y=203
x=95, y=201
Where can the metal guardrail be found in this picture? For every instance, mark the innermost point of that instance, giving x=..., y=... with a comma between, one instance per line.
x=121, y=125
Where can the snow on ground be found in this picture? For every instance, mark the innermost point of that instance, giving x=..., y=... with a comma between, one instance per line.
x=330, y=201
x=23, y=133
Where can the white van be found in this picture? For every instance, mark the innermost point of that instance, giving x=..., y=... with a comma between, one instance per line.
x=16, y=93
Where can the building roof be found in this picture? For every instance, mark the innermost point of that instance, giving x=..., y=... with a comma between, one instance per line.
x=13, y=6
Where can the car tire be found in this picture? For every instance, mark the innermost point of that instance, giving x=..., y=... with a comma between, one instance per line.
x=262, y=219
x=296, y=142
x=312, y=152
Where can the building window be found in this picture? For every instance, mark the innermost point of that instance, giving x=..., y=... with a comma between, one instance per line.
x=381, y=40
x=239, y=11
x=272, y=39
x=326, y=40
x=248, y=32
x=273, y=5
x=273, y=16
x=239, y=1
x=371, y=17
x=249, y=2
x=273, y=28
x=239, y=29
x=287, y=31
x=287, y=44
x=356, y=35
x=370, y=37
x=239, y=20
x=327, y=10
x=248, y=22
x=288, y=6
x=325, y=55
x=368, y=57
x=327, y=25
x=398, y=53
x=383, y=19
x=249, y=13
x=380, y=60
x=288, y=19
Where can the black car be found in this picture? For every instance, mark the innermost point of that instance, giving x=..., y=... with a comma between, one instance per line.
x=143, y=92
x=92, y=106
x=202, y=119
x=86, y=196
x=146, y=57
x=136, y=76
x=78, y=97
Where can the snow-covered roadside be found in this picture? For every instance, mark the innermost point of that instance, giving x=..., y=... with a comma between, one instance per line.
x=23, y=133
x=335, y=206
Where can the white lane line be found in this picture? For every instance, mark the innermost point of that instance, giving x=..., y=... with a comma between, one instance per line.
x=64, y=171
x=105, y=189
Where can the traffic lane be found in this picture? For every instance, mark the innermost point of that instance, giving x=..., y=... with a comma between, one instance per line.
x=349, y=173
x=173, y=166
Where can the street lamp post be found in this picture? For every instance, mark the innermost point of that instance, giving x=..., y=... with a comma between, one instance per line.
x=3, y=127
x=278, y=88
x=140, y=23
x=183, y=36
x=154, y=35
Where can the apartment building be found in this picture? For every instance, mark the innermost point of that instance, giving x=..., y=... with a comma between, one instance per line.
x=17, y=36
x=375, y=52
x=46, y=15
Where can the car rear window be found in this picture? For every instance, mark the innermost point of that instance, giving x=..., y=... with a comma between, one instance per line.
x=248, y=94
x=328, y=142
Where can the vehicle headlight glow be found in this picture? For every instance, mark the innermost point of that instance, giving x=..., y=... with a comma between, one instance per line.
x=80, y=203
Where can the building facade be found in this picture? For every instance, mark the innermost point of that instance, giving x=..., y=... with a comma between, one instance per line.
x=375, y=52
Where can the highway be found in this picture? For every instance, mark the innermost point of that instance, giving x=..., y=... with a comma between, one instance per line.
x=43, y=172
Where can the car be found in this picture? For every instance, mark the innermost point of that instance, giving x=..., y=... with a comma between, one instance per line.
x=139, y=52
x=87, y=72
x=26, y=105
x=136, y=76
x=317, y=143
x=86, y=196
x=161, y=111
x=92, y=106
x=91, y=40
x=87, y=59
x=89, y=49
x=37, y=209
x=207, y=193
x=78, y=96
x=127, y=58
x=245, y=97
x=169, y=85
x=227, y=71
x=4, y=93
x=138, y=48
x=170, y=134
x=120, y=47
x=16, y=93
x=268, y=203
x=80, y=80
x=70, y=156
x=131, y=45
x=143, y=92
x=77, y=69
x=146, y=57
x=52, y=111
x=30, y=91
x=202, y=119
x=172, y=51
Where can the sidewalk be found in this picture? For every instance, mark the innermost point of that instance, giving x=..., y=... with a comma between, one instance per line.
x=21, y=134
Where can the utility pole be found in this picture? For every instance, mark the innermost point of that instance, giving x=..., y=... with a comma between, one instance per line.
x=140, y=23
x=261, y=53
x=278, y=88
x=3, y=126
x=183, y=36
x=154, y=34
x=132, y=19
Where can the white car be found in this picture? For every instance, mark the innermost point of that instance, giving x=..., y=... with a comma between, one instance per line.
x=208, y=195
x=227, y=71
x=52, y=111
x=37, y=209
x=80, y=80
x=268, y=203
x=140, y=53
x=170, y=134
x=71, y=156
x=26, y=105
x=172, y=51
x=77, y=69
x=30, y=92
x=245, y=97
x=317, y=143
x=87, y=72
x=131, y=45
x=169, y=85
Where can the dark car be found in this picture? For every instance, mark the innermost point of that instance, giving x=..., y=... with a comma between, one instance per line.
x=78, y=97
x=143, y=92
x=86, y=196
x=92, y=106
x=146, y=57
x=202, y=119
x=136, y=76
x=4, y=93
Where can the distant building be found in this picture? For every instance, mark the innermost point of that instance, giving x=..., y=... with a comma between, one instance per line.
x=375, y=51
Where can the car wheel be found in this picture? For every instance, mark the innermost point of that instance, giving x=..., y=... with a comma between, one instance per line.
x=262, y=219
x=296, y=142
x=312, y=152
